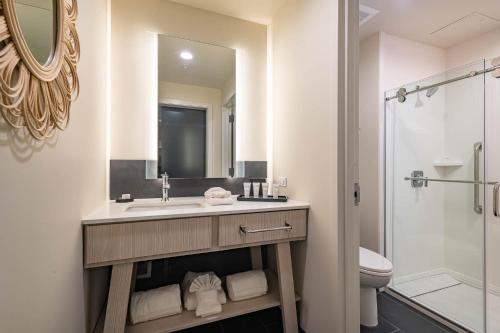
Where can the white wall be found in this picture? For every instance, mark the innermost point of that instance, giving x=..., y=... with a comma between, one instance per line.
x=487, y=47
x=415, y=216
x=463, y=127
x=389, y=62
x=132, y=24
x=203, y=95
x=369, y=127
x=401, y=62
x=46, y=189
x=305, y=147
x=406, y=61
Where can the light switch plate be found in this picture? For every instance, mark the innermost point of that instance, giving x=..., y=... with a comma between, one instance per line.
x=283, y=181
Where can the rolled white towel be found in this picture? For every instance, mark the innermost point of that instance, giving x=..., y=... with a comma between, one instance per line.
x=217, y=192
x=155, y=303
x=246, y=285
x=220, y=201
x=190, y=301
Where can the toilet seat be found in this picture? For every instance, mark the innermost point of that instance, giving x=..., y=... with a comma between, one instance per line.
x=373, y=263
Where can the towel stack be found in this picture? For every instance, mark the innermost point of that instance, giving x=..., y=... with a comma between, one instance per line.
x=203, y=292
x=218, y=196
x=155, y=303
x=246, y=285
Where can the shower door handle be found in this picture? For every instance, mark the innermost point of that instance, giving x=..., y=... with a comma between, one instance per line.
x=478, y=146
x=496, y=190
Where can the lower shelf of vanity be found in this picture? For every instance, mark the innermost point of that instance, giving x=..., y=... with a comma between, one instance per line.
x=187, y=319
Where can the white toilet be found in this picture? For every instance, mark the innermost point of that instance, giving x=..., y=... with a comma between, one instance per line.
x=375, y=272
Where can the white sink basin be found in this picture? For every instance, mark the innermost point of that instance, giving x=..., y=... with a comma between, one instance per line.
x=169, y=205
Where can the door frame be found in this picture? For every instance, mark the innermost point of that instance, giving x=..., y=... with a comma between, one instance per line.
x=209, y=136
x=348, y=169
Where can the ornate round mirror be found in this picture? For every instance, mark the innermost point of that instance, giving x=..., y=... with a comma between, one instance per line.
x=39, y=50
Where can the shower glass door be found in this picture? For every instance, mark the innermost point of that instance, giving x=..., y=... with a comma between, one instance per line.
x=435, y=228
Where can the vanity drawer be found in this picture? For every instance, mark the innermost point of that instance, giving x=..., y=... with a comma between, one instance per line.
x=122, y=241
x=262, y=227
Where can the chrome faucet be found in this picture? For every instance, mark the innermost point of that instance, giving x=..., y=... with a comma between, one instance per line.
x=165, y=187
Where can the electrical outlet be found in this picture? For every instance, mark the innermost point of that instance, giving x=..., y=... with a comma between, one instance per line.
x=144, y=269
x=283, y=181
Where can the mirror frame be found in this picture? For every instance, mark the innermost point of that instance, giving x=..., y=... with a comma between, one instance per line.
x=35, y=96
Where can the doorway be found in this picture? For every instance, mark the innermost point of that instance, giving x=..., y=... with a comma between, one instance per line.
x=182, y=133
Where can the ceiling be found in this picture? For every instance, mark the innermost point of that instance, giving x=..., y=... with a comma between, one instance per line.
x=258, y=11
x=441, y=23
x=211, y=65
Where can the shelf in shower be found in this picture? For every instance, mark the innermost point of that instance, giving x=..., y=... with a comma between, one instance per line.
x=444, y=163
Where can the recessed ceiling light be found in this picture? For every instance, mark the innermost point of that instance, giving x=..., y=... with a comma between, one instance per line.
x=186, y=55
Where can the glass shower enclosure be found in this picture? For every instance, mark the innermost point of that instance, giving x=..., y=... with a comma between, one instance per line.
x=442, y=164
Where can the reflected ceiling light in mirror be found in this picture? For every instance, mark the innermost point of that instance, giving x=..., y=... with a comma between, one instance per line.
x=186, y=55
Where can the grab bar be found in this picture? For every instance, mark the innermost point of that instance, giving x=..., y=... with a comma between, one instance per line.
x=425, y=179
x=478, y=147
x=496, y=190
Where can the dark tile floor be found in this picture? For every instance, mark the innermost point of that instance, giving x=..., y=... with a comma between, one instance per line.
x=266, y=321
x=397, y=317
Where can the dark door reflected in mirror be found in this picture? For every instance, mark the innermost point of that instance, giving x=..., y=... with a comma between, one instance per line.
x=182, y=145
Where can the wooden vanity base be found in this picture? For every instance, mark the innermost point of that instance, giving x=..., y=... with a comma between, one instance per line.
x=104, y=251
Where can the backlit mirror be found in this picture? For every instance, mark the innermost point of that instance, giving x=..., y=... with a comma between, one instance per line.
x=37, y=19
x=196, y=109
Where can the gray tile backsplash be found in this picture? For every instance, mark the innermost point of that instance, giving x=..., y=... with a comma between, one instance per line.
x=129, y=176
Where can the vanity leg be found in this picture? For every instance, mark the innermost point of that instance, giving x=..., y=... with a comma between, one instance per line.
x=287, y=289
x=118, y=297
x=256, y=257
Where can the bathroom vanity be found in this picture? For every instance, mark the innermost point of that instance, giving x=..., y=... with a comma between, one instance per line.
x=120, y=235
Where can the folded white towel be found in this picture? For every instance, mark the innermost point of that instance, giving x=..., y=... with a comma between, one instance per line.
x=190, y=277
x=208, y=303
x=190, y=301
x=217, y=192
x=246, y=285
x=220, y=201
x=155, y=303
x=203, y=293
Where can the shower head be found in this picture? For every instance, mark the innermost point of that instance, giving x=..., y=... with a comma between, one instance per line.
x=431, y=91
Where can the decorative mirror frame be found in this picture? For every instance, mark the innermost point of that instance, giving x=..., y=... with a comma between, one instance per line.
x=38, y=97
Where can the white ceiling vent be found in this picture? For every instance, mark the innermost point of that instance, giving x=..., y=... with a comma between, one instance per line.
x=465, y=28
x=366, y=13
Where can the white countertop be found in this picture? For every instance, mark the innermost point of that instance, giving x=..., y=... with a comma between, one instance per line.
x=113, y=212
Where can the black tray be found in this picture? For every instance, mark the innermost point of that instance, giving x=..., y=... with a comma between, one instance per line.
x=281, y=198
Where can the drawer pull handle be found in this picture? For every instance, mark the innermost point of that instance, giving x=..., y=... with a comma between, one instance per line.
x=245, y=230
